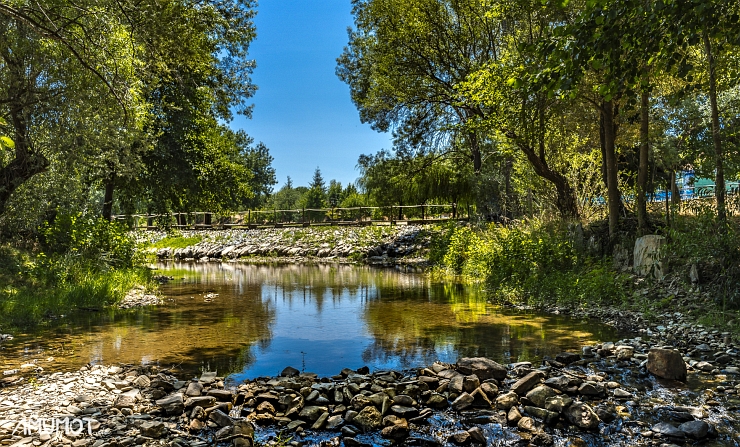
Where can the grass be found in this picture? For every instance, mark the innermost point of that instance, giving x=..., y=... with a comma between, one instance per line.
x=176, y=242
x=37, y=288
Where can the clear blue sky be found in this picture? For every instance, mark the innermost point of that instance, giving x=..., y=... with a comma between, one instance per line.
x=303, y=112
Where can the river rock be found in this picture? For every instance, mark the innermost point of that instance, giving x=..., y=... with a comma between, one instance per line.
x=526, y=424
x=312, y=412
x=172, y=404
x=557, y=403
x=695, y=429
x=194, y=389
x=546, y=415
x=666, y=429
x=460, y=438
x=582, y=416
x=566, y=358
x=507, y=400
x=624, y=352
x=482, y=367
x=646, y=256
x=666, y=363
x=462, y=402
x=526, y=383
x=398, y=431
x=153, y=429
x=220, y=418
x=540, y=394
x=470, y=383
x=369, y=418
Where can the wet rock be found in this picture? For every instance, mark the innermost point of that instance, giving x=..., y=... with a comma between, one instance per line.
x=369, y=418
x=482, y=367
x=513, y=416
x=558, y=382
x=490, y=389
x=319, y=424
x=194, y=389
x=221, y=395
x=460, y=438
x=540, y=394
x=477, y=436
x=567, y=358
x=666, y=363
x=437, y=401
x=695, y=429
x=464, y=401
x=200, y=401
x=526, y=424
x=622, y=394
x=507, y=400
x=526, y=383
x=590, y=389
x=557, y=403
x=289, y=371
x=352, y=442
x=470, y=383
x=312, y=412
x=544, y=440
x=540, y=413
x=398, y=431
x=581, y=415
x=334, y=422
x=666, y=429
x=624, y=352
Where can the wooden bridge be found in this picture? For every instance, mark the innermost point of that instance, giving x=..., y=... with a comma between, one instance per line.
x=304, y=217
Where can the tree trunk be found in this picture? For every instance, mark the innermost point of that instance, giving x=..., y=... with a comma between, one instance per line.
x=642, y=171
x=26, y=163
x=613, y=196
x=719, y=182
x=567, y=203
x=475, y=152
x=110, y=184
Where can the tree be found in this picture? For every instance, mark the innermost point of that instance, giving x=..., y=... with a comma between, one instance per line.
x=315, y=197
x=334, y=194
x=404, y=63
x=259, y=162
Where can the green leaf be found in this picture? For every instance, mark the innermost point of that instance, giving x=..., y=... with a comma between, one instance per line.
x=6, y=142
x=514, y=82
x=599, y=20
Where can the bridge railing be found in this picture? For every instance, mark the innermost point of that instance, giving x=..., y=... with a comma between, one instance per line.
x=364, y=215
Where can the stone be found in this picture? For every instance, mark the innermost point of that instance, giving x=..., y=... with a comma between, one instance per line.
x=490, y=389
x=153, y=429
x=557, y=403
x=546, y=415
x=646, y=256
x=437, y=401
x=540, y=394
x=558, y=382
x=398, y=431
x=172, y=404
x=695, y=429
x=470, y=383
x=583, y=416
x=513, y=416
x=265, y=407
x=542, y=439
x=624, y=352
x=507, y=400
x=194, y=389
x=456, y=384
x=404, y=400
x=368, y=419
x=526, y=424
x=221, y=395
x=463, y=401
x=359, y=402
x=220, y=418
x=526, y=383
x=200, y=401
x=289, y=371
x=666, y=429
x=567, y=358
x=142, y=382
x=482, y=367
x=312, y=412
x=477, y=435
x=208, y=377
x=590, y=389
x=319, y=424
x=404, y=412
x=334, y=422
x=124, y=401
x=666, y=363
x=622, y=394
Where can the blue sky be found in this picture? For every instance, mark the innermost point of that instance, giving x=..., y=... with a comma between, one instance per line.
x=303, y=112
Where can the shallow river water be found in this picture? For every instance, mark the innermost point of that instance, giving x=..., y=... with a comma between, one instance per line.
x=247, y=321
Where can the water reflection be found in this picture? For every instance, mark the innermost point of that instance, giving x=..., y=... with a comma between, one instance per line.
x=253, y=320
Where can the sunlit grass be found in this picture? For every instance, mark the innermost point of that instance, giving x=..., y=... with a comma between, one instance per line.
x=175, y=242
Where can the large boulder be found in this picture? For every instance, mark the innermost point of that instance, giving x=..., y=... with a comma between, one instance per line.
x=647, y=256
x=666, y=363
x=482, y=367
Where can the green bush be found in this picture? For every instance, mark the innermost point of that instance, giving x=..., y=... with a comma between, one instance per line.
x=90, y=237
x=532, y=262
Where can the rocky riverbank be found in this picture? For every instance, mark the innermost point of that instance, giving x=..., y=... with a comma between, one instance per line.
x=632, y=392
x=386, y=245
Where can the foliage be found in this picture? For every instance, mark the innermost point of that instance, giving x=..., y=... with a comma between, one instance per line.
x=532, y=262
x=91, y=238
